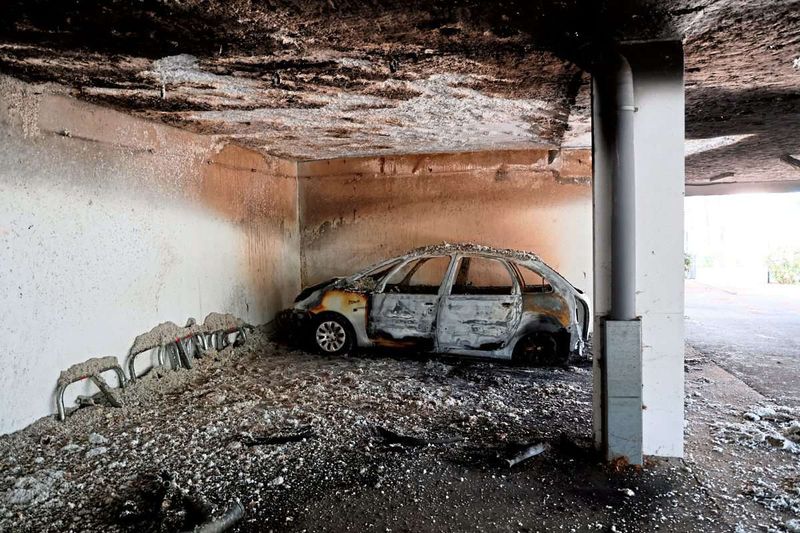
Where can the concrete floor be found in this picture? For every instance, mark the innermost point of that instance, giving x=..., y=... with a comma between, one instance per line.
x=746, y=464
x=96, y=471
x=752, y=332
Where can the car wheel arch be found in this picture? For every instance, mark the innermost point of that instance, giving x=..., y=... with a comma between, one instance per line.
x=539, y=324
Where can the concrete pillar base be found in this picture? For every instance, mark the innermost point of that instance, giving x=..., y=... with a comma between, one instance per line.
x=623, y=405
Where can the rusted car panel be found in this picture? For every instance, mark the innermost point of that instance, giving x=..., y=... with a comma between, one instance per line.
x=402, y=319
x=444, y=320
x=476, y=323
x=550, y=304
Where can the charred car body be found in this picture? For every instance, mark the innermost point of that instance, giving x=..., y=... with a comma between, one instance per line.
x=459, y=299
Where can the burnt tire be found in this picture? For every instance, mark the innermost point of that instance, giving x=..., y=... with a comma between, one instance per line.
x=332, y=334
x=540, y=349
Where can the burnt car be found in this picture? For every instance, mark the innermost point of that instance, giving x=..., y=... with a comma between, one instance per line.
x=450, y=298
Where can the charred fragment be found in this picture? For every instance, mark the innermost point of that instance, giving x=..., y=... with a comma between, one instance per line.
x=391, y=437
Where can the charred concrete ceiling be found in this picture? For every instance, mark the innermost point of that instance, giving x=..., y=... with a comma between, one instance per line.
x=332, y=78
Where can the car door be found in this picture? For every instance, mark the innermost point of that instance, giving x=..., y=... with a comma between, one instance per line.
x=403, y=309
x=482, y=308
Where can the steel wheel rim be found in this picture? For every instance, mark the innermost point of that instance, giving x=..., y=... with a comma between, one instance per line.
x=539, y=348
x=331, y=336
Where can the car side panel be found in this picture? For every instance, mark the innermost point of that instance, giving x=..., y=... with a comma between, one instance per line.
x=477, y=322
x=550, y=304
x=550, y=312
x=405, y=320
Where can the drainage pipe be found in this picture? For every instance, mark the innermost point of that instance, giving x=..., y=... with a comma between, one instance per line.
x=623, y=190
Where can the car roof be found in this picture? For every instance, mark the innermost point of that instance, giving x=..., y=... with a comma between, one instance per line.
x=524, y=258
x=471, y=248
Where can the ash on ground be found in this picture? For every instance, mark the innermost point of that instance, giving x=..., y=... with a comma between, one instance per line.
x=363, y=443
x=743, y=447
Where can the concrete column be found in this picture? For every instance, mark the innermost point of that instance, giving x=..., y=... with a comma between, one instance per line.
x=638, y=401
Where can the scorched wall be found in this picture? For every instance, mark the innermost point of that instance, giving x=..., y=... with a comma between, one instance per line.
x=357, y=211
x=110, y=225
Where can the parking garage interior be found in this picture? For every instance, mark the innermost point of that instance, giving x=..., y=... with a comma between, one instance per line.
x=162, y=161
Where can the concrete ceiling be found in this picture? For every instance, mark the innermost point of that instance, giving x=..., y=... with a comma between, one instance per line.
x=332, y=78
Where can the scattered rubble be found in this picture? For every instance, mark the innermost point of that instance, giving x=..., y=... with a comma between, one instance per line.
x=776, y=426
x=37, y=489
x=390, y=437
x=747, y=446
x=284, y=440
x=302, y=434
x=292, y=437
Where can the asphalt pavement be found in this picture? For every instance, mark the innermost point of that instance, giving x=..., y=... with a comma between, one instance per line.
x=753, y=332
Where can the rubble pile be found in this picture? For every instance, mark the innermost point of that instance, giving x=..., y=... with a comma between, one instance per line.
x=272, y=428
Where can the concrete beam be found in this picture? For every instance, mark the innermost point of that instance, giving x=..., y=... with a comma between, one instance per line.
x=713, y=189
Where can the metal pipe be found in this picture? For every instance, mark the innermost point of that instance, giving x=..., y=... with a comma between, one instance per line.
x=234, y=513
x=184, y=356
x=62, y=412
x=623, y=209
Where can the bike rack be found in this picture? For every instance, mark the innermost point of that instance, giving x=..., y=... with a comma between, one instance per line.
x=91, y=369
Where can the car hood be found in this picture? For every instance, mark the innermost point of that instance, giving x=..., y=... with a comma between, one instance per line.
x=309, y=291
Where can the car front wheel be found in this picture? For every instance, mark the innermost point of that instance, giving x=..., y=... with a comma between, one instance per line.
x=332, y=335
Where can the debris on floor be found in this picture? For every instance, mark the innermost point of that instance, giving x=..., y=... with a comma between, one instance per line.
x=527, y=452
x=282, y=438
x=743, y=447
x=307, y=442
x=776, y=426
x=390, y=437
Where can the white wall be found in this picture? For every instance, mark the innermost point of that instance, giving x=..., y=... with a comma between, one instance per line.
x=659, y=140
x=105, y=232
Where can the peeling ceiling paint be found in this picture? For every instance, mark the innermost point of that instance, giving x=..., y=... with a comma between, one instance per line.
x=323, y=79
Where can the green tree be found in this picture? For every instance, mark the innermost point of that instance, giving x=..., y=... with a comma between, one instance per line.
x=784, y=266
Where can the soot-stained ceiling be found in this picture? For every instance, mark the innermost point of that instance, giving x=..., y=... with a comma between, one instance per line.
x=334, y=78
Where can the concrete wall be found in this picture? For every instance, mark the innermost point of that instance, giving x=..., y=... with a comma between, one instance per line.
x=110, y=225
x=357, y=211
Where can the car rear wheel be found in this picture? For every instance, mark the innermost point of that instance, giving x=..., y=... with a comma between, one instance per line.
x=332, y=335
x=540, y=348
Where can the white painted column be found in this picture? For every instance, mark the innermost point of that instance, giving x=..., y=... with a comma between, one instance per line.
x=657, y=69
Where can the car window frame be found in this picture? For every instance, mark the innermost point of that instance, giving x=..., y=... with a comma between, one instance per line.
x=516, y=287
x=381, y=287
x=517, y=268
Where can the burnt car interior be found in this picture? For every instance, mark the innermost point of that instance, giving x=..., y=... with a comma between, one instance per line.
x=477, y=275
x=532, y=281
